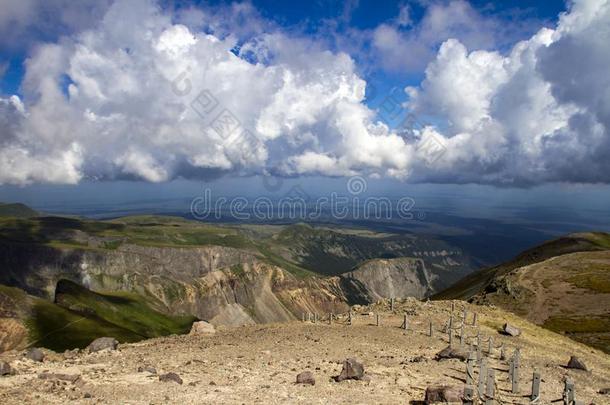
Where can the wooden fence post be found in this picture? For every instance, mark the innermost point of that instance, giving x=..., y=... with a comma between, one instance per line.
x=568, y=392
x=490, y=347
x=474, y=319
x=303, y=317
x=349, y=317
x=462, y=335
x=450, y=329
x=482, y=377
x=392, y=304
x=468, y=396
x=377, y=318
x=515, y=374
x=430, y=331
x=502, y=352
x=405, y=322
x=490, y=390
x=535, y=386
x=470, y=369
x=330, y=318
x=465, y=314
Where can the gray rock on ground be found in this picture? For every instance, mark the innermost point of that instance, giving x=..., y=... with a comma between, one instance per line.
x=170, y=377
x=511, y=330
x=577, y=364
x=103, y=343
x=59, y=376
x=6, y=369
x=352, y=370
x=149, y=369
x=202, y=328
x=35, y=354
x=443, y=394
x=306, y=377
x=452, y=353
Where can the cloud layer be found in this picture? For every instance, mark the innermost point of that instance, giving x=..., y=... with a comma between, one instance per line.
x=146, y=94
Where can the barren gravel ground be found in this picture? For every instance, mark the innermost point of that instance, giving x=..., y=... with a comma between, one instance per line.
x=258, y=364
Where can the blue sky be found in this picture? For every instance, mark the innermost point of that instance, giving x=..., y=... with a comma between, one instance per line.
x=504, y=95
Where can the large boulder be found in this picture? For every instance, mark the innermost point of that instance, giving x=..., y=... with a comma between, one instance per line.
x=452, y=353
x=444, y=394
x=35, y=354
x=510, y=330
x=352, y=370
x=577, y=364
x=103, y=343
x=306, y=377
x=202, y=328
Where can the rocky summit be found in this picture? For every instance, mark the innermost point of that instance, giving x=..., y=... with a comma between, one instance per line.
x=258, y=363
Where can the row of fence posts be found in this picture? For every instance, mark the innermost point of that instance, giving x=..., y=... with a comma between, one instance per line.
x=485, y=384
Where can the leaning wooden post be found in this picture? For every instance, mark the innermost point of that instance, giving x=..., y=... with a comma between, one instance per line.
x=479, y=353
x=474, y=319
x=430, y=331
x=377, y=317
x=535, y=387
x=482, y=377
x=490, y=391
x=470, y=369
x=405, y=322
x=568, y=392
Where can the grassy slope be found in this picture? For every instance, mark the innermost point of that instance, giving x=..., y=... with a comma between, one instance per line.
x=477, y=282
x=16, y=210
x=81, y=315
x=564, y=285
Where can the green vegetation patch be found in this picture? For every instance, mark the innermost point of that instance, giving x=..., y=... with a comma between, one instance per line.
x=595, y=278
x=593, y=331
x=126, y=310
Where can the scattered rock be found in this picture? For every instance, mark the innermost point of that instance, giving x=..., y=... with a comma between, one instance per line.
x=35, y=354
x=306, y=377
x=352, y=370
x=452, y=353
x=577, y=363
x=202, y=328
x=6, y=369
x=510, y=330
x=444, y=394
x=149, y=369
x=56, y=376
x=605, y=391
x=170, y=377
x=417, y=359
x=103, y=343
x=70, y=354
x=87, y=395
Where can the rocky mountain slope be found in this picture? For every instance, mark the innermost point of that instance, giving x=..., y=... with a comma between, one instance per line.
x=563, y=285
x=224, y=274
x=259, y=363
